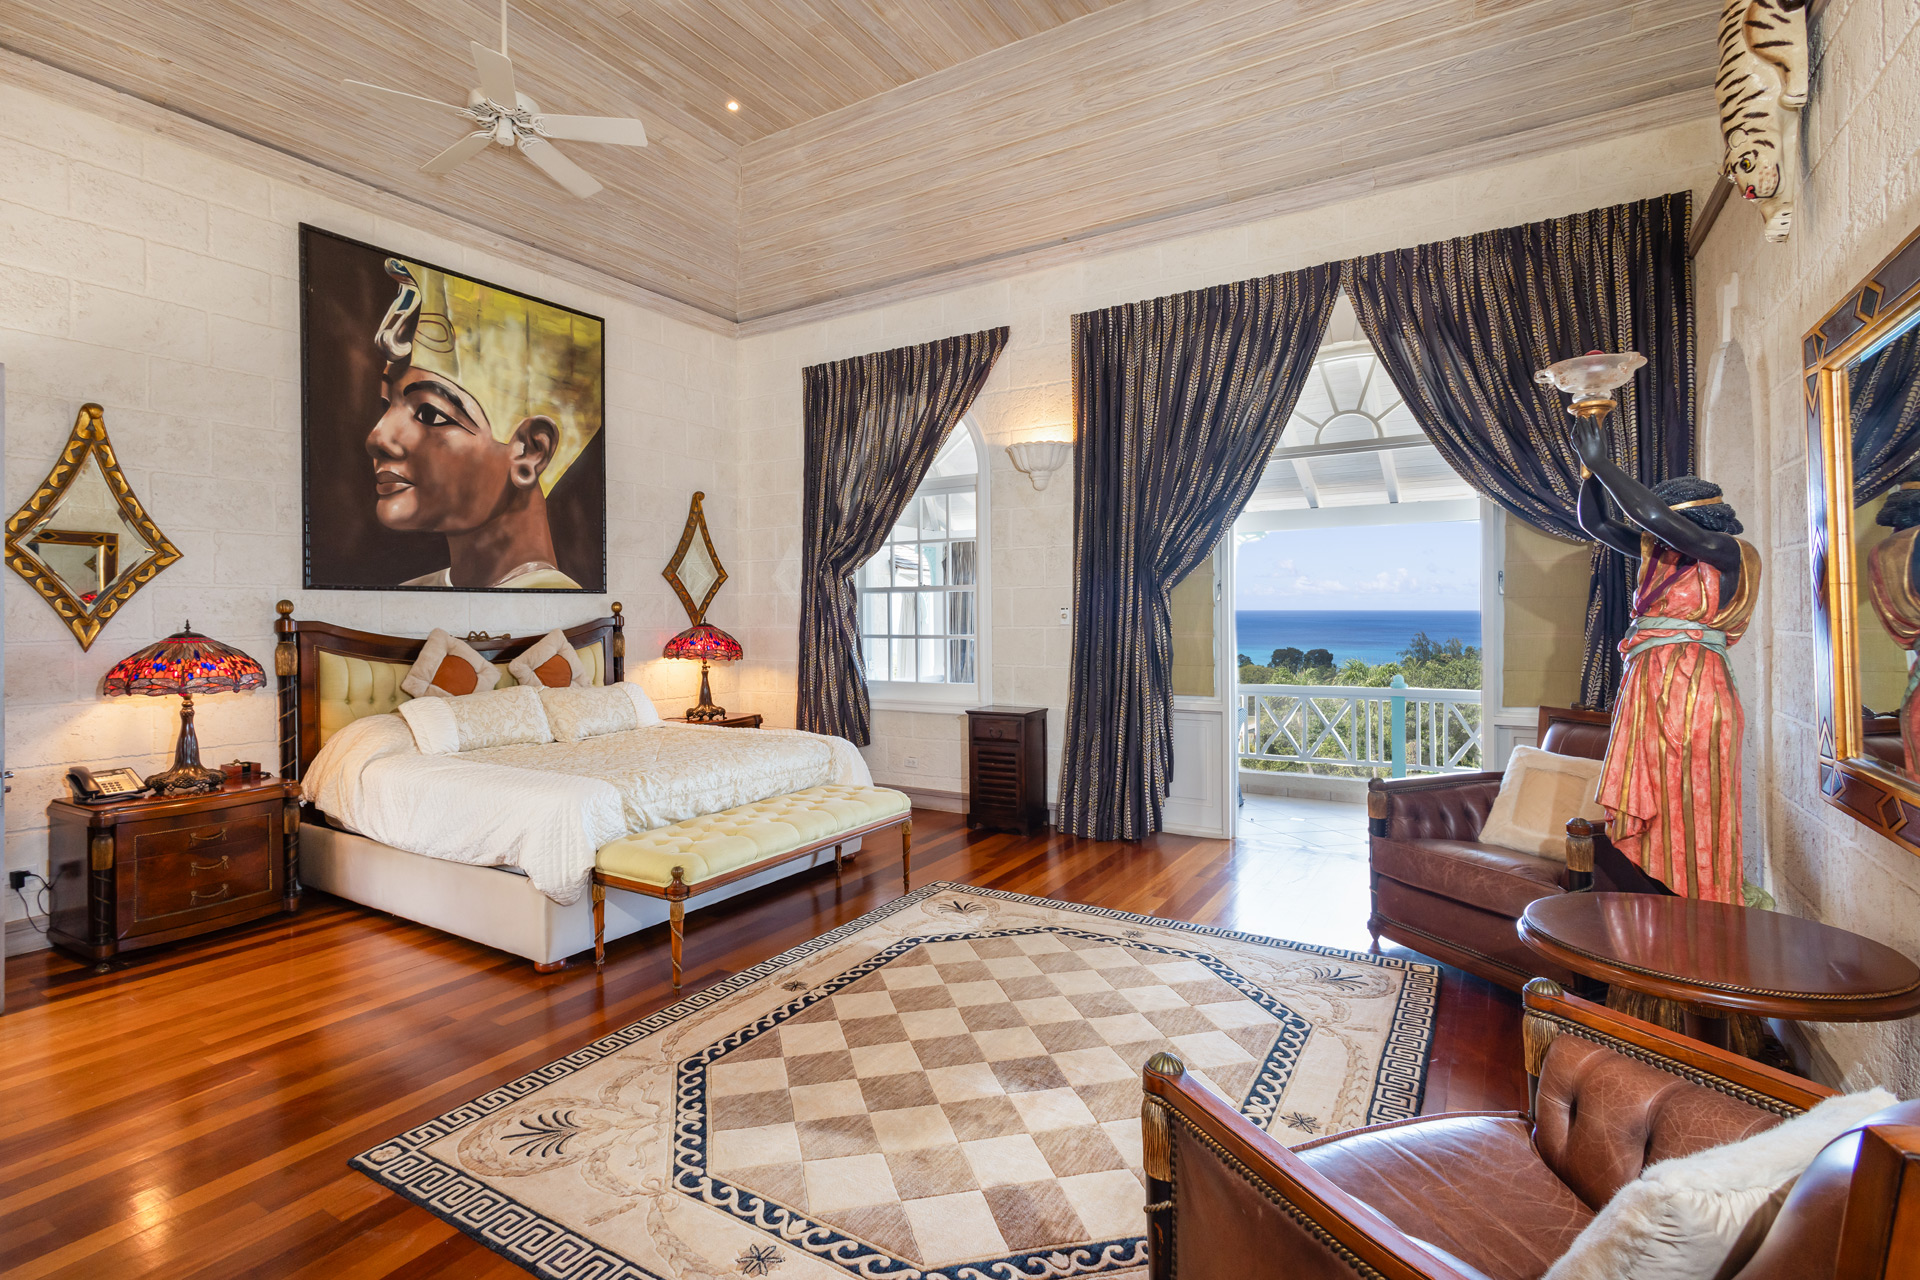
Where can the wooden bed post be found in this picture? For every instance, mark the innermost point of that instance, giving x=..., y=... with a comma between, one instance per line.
x=286, y=670
x=599, y=925
x=617, y=645
x=906, y=855
x=677, y=919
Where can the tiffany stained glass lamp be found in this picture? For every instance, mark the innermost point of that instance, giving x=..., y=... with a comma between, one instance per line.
x=709, y=644
x=185, y=663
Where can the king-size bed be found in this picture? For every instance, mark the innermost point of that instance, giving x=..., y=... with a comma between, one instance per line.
x=496, y=843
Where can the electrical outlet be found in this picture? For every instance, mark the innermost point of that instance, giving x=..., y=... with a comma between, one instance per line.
x=911, y=762
x=16, y=880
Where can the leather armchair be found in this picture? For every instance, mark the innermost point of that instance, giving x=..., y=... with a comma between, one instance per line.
x=1438, y=890
x=1501, y=1195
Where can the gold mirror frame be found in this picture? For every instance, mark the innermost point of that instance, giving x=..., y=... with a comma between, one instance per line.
x=1866, y=789
x=696, y=524
x=88, y=440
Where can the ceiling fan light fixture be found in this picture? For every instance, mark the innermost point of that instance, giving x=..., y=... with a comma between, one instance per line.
x=733, y=106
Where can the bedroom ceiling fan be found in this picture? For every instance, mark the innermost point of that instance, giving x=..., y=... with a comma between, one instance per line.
x=503, y=116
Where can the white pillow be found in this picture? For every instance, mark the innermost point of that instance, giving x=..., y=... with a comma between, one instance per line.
x=574, y=714
x=500, y=718
x=448, y=667
x=1679, y=1219
x=1541, y=792
x=535, y=667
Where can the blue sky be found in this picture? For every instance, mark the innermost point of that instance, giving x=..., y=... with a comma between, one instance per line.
x=1393, y=566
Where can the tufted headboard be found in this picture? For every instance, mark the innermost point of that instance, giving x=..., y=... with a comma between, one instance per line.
x=330, y=676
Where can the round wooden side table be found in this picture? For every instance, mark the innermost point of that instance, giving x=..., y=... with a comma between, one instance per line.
x=1714, y=959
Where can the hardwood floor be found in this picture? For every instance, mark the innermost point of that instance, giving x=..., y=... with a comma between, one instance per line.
x=192, y=1114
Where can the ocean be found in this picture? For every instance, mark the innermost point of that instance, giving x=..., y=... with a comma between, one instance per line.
x=1370, y=637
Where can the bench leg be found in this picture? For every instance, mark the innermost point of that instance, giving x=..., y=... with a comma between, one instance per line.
x=836, y=862
x=599, y=925
x=676, y=919
x=906, y=855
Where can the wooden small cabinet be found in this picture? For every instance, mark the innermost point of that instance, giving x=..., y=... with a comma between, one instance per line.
x=136, y=873
x=1007, y=768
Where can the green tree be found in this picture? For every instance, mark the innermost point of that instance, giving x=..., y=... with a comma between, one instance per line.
x=1318, y=658
x=1245, y=661
x=1291, y=659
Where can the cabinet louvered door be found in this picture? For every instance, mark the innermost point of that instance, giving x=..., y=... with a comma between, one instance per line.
x=1006, y=776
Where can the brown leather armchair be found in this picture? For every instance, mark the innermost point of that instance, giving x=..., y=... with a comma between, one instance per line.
x=1438, y=890
x=1501, y=1195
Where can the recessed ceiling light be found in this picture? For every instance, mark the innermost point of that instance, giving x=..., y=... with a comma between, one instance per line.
x=733, y=106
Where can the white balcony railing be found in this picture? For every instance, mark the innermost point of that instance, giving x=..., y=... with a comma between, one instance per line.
x=1341, y=731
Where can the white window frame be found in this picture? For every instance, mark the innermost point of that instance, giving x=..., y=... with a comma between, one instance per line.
x=901, y=695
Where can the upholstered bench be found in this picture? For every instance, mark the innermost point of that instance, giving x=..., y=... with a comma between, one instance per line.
x=684, y=859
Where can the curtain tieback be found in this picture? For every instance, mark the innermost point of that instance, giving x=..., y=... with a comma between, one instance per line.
x=1708, y=638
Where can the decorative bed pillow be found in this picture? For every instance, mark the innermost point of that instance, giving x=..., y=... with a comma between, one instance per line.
x=1680, y=1218
x=499, y=718
x=1542, y=792
x=551, y=664
x=574, y=714
x=448, y=668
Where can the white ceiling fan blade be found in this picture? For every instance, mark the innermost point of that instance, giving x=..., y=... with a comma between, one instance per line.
x=558, y=167
x=465, y=149
x=626, y=133
x=496, y=74
x=385, y=93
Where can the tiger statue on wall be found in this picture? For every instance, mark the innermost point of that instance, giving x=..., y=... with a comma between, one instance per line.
x=1763, y=77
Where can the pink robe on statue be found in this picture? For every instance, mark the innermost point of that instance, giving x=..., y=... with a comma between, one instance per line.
x=1672, y=775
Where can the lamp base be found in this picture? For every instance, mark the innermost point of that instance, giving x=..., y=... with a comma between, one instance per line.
x=186, y=780
x=705, y=711
x=187, y=777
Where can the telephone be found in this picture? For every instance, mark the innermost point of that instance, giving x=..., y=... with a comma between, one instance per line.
x=108, y=784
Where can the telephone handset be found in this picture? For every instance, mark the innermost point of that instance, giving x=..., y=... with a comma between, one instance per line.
x=108, y=784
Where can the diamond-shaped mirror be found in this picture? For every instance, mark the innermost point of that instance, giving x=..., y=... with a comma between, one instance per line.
x=83, y=540
x=695, y=571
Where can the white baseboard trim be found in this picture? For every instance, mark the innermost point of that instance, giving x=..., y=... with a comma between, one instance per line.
x=22, y=937
x=931, y=797
x=1301, y=786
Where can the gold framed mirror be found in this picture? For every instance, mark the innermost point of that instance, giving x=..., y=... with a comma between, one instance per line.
x=83, y=540
x=695, y=571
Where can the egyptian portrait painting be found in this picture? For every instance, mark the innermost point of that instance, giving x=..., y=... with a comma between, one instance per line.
x=454, y=430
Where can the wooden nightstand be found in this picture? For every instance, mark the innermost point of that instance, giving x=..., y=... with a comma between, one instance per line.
x=725, y=722
x=137, y=873
x=1007, y=768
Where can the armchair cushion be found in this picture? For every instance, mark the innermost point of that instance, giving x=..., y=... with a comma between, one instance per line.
x=1680, y=1218
x=1471, y=1183
x=1602, y=1117
x=1481, y=875
x=1541, y=792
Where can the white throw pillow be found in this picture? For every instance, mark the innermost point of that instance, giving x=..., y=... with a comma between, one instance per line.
x=501, y=718
x=448, y=667
x=574, y=714
x=1541, y=792
x=1679, y=1219
x=552, y=663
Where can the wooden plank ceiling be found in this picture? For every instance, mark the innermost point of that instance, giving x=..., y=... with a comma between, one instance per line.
x=885, y=141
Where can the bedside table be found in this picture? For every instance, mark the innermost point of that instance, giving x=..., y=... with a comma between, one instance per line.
x=132, y=874
x=725, y=722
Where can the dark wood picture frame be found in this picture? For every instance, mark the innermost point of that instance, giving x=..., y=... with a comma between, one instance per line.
x=1851, y=779
x=587, y=474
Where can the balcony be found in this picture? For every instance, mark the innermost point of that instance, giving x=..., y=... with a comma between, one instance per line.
x=1356, y=733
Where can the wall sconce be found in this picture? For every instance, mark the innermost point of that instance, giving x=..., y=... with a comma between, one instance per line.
x=1040, y=458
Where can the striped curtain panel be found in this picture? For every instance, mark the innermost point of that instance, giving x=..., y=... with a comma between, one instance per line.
x=1462, y=325
x=874, y=424
x=1178, y=401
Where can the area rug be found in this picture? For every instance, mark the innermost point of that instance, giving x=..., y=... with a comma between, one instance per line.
x=947, y=1088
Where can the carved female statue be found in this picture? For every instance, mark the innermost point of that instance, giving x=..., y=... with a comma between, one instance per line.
x=1893, y=583
x=1672, y=775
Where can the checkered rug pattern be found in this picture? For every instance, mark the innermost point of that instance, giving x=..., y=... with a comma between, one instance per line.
x=976, y=1097
x=947, y=1088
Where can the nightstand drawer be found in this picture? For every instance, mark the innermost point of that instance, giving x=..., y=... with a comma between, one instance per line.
x=997, y=729
x=165, y=885
x=233, y=833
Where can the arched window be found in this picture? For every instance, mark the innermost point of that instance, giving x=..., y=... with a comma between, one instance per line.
x=922, y=596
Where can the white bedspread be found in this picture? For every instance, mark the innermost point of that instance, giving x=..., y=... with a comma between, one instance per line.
x=546, y=809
